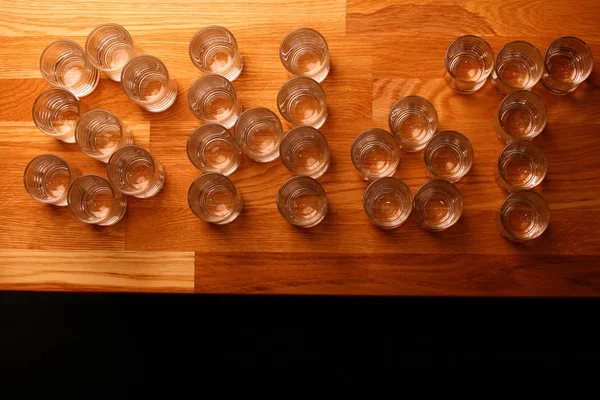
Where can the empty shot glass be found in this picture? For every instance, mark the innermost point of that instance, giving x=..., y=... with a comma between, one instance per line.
x=109, y=47
x=213, y=198
x=213, y=49
x=301, y=102
x=55, y=112
x=521, y=115
x=388, y=202
x=413, y=120
x=134, y=171
x=302, y=202
x=47, y=179
x=448, y=156
x=93, y=200
x=521, y=165
x=146, y=81
x=211, y=148
x=469, y=61
x=258, y=132
x=305, y=152
x=304, y=51
x=212, y=98
x=100, y=133
x=375, y=154
x=64, y=63
x=438, y=205
x=519, y=66
x=568, y=62
x=524, y=215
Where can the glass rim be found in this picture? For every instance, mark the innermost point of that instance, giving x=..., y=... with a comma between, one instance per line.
x=388, y=179
x=254, y=109
x=294, y=179
x=97, y=110
x=196, y=82
x=461, y=136
x=68, y=41
x=447, y=184
x=525, y=93
x=519, y=142
x=198, y=32
x=28, y=166
x=127, y=147
x=411, y=97
x=531, y=193
x=313, y=130
x=137, y=58
x=364, y=133
x=104, y=25
x=113, y=190
x=204, y=176
x=298, y=30
x=52, y=89
x=189, y=139
x=581, y=41
x=485, y=42
x=303, y=78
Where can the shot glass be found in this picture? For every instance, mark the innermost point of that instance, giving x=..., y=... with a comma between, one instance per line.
x=55, y=112
x=522, y=165
x=568, y=62
x=305, y=152
x=109, y=47
x=522, y=115
x=64, y=63
x=212, y=98
x=213, y=49
x=375, y=154
x=304, y=51
x=134, y=171
x=413, y=120
x=469, y=61
x=93, y=200
x=145, y=80
x=258, y=132
x=213, y=198
x=47, y=179
x=438, y=205
x=524, y=215
x=301, y=102
x=448, y=156
x=211, y=148
x=100, y=133
x=302, y=202
x=519, y=66
x=388, y=202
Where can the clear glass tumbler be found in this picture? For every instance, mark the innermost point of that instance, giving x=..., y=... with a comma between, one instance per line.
x=55, y=112
x=413, y=120
x=100, y=133
x=213, y=49
x=469, y=61
x=47, y=178
x=388, y=202
x=64, y=63
x=438, y=205
x=302, y=202
x=109, y=47
x=568, y=62
x=524, y=215
x=134, y=171
x=448, y=156
x=213, y=198
x=211, y=148
x=521, y=165
x=302, y=102
x=146, y=81
x=375, y=154
x=212, y=98
x=305, y=152
x=304, y=51
x=258, y=132
x=93, y=200
x=521, y=115
x=519, y=66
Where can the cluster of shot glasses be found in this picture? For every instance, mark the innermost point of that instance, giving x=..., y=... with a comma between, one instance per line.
x=132, y=170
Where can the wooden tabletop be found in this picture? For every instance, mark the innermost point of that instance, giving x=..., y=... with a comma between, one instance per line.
x=380, y=52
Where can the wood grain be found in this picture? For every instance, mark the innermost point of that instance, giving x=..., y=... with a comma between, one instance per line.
x=380, y=51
